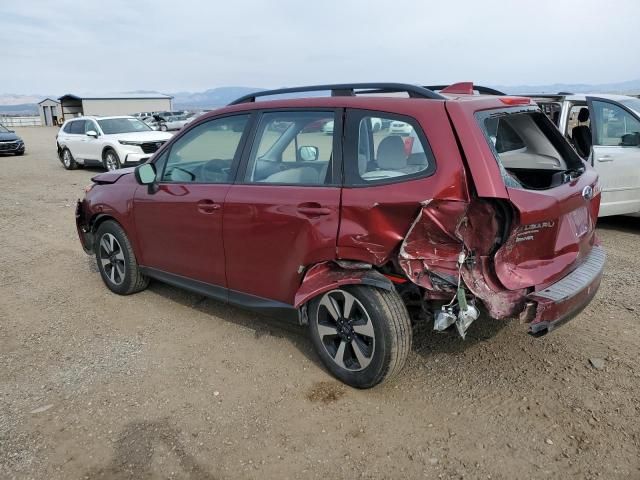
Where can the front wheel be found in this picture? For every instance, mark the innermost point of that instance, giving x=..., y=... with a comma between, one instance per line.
x=111, y=160
x=362, y=334
x=163, y=128
x=116, y=261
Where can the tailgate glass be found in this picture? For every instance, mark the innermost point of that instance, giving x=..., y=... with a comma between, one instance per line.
x=531, y=152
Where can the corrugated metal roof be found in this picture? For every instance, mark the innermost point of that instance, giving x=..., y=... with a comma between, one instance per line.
x=115, y=96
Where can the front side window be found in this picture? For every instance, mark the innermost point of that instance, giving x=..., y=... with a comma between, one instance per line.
x=112, y=126
x=90, y=125
x=293, y=148
x=388, y=149
x=615, y=126
x=206, y=154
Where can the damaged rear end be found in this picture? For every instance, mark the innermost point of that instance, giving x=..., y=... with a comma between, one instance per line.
x=524, y=245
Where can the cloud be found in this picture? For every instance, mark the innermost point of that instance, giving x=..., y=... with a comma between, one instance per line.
x=119, y=45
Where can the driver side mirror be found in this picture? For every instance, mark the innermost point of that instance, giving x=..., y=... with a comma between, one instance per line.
x=92, y=133
x=308, y=153
x=146, y=174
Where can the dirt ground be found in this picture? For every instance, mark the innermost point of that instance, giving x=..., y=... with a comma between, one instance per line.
x=166, y=384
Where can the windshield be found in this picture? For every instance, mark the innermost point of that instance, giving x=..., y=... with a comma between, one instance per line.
x=3, y=129
x=632, y=103
x=112, y=126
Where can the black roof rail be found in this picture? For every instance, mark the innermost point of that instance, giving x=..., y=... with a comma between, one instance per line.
x=478, y=88
x=565, y=93
x=347, y=89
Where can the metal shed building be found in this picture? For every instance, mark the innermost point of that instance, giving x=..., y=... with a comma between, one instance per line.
x=49, y=110
x=114, y=104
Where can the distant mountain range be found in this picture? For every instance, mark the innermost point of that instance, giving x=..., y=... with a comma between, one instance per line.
x=217, y=97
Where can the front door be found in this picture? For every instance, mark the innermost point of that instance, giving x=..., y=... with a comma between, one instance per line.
x=179, y=226
x=616, y=155
x=282, y=215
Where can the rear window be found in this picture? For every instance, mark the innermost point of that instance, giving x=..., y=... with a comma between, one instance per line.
x=531, y=152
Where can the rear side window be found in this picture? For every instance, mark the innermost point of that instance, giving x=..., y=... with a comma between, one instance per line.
x=385, y=148
x=529, y=149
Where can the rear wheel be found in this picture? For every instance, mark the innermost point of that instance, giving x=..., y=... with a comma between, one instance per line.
x=68, y=161
x=163, y=127
x=116, y=261
x=362, y=334
x=111, y=160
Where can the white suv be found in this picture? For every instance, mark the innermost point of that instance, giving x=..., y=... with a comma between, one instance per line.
x=112, y=142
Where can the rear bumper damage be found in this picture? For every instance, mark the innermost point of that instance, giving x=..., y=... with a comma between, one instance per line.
x=449, y=251
x=560, y=302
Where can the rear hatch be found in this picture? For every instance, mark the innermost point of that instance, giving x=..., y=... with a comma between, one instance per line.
x=515, y=153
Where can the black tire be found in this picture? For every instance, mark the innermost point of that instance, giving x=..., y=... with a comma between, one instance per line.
x=124, y=276
x=67, y=160
x=110, y=159
x=383, y=313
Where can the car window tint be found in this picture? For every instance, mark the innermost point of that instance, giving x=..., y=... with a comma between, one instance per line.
x=89, y=125
x=206, y=153
x=77, y=127
x=293, y=148
x=67, y=127
x=615, y=126
x=389, y=148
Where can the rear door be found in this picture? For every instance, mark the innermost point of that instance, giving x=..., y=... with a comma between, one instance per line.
x=616, y=152
x=179, y=226
x=74, y=138
x=390, y=176
x=282, y=214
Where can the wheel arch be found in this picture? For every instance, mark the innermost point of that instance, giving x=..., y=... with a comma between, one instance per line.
x=325, y=276
x=106, y=148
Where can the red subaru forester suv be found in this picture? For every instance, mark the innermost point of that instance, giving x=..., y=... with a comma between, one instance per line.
x=310, y=209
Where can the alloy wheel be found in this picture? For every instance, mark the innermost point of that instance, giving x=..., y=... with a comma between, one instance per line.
x=111, y=162
x=345, y=330
x=66, y=158
x=112, y=258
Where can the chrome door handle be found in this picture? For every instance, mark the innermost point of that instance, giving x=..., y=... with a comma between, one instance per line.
x=605, y=158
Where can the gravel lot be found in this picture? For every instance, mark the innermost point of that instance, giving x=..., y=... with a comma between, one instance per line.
x=167, y=384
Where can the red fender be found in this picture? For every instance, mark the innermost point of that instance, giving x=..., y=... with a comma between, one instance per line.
x=326, y=276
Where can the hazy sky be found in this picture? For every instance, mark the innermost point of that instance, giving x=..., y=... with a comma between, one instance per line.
x=58, y=46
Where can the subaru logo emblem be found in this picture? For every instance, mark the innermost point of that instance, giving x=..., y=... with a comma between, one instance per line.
x=587, y=192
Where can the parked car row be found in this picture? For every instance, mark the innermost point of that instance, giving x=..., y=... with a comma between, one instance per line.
x=464, y=202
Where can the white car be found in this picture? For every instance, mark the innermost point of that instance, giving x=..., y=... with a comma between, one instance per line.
x=400, y=128
x=112, y=142
x=175, y=122
x=605, y=131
